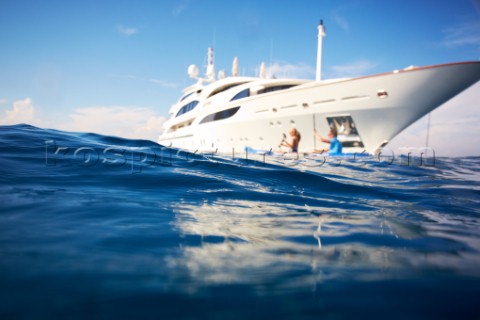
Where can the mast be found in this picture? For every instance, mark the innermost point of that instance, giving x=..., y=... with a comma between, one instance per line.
x=321, y=34
x=263, y=71
x=210, y=66
x=235, y=67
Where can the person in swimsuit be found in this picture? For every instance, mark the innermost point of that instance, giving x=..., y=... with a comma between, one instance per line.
x=293, y=145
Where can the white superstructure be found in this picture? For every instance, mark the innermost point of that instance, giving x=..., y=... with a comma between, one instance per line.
x=235, y=113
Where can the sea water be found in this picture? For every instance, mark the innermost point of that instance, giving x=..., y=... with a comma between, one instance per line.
x=95, y=227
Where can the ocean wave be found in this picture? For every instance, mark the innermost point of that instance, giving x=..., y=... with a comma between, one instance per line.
x=128, y=218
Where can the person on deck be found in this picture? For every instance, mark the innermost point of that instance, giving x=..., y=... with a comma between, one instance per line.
x=335, y=144
x=293, y=145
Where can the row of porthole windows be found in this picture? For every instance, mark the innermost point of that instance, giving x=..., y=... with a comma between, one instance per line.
x=203, y=142
x=242, y=139
x=279, y=123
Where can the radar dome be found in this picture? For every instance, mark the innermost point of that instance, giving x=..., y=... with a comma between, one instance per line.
x=193, y=71
x=222, y=74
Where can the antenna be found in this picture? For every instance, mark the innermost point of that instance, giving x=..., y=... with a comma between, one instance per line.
x=428, y=130
x=271, y=56
x=214, y=38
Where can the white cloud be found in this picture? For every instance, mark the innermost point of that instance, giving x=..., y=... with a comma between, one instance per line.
x=150, y=129
x=179, y=8
x=121, y=121
x=127, y=31
x=22, y=111
x=341, y=22
x=160, y=82
x=287, y=70
x=462, y=34
x=3, y=101
x=355, y=69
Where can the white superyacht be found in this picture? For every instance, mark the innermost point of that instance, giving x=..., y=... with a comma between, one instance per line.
x=236, y=113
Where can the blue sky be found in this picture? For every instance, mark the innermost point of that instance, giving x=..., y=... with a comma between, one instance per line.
x=115, y=67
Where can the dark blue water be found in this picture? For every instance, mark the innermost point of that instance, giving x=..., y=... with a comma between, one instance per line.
x=95, y=227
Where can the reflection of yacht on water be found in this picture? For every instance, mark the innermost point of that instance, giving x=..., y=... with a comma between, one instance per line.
x=240, y=239
x=235, y=113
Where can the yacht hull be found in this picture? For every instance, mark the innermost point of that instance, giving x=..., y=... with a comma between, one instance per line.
x=368, y=111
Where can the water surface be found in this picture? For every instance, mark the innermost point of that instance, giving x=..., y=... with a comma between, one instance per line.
x=101, y=227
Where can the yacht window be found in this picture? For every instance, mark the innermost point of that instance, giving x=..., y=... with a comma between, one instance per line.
x=276, y=88
x=225, y=88
x=187, y=108
x=186, y=96
x=220, y=115
x=242, y=94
